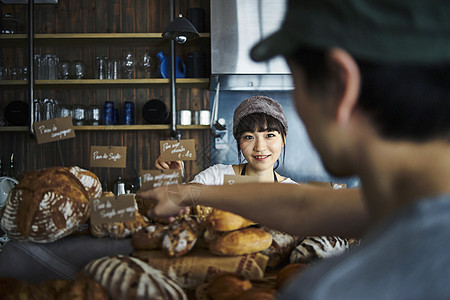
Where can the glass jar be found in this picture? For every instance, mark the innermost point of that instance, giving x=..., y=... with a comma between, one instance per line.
x=63, y=70
x=78, y=70
x=79, y=115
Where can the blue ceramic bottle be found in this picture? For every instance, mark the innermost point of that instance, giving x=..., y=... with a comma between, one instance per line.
x=164, y=66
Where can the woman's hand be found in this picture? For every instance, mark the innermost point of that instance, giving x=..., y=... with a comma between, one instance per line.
x=167, y=199
x=165, y=165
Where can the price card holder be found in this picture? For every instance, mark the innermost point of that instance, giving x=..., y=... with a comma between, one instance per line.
x=235, y=179
x=154, y=178
x=106, y=210
x=108, y=156
x=54, y=130
x=171, y=150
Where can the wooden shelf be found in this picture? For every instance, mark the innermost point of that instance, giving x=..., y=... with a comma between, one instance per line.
x=114, y=127
x=149, y=35
x=197, y=82
x=13, y=128
x=91, y=36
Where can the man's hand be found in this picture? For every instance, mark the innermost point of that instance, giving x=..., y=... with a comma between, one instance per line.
x=167, y=199
x=165, y=165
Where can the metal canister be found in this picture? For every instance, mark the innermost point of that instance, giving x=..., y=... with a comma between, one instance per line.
x=184, y=117
x=119, y=187
x=108, y=113
x=128, y=113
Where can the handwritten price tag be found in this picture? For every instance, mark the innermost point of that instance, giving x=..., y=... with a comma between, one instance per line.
x=54, y=130
x=155, y=178
x=111, y=157
x=235, y=179
x=177, y=150
x=106, y=210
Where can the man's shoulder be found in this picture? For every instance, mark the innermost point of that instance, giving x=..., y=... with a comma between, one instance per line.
x=405, y=256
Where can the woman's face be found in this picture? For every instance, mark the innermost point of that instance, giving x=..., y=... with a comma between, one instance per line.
x=261, y=149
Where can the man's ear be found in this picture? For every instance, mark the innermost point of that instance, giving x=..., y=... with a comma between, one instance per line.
x=349, y=78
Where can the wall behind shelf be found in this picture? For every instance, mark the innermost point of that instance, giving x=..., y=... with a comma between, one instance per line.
x=102, y=16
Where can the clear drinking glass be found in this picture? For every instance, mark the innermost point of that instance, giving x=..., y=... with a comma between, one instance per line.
x=52, y=62
x=129, y=65
x=101, y=67
x=114, y=69
x=146, y=64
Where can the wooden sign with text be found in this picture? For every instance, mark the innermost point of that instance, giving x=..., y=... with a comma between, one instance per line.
x=154, y=178
x=108, y=156
x=234, y=179
x=171, y=150
x=54, y=130
x=106, y=210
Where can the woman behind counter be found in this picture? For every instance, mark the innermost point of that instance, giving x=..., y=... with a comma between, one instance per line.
x=260, y=127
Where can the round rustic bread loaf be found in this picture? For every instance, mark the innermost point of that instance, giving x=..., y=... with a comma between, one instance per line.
x=83, y=287
x=46, y=205
x=127, y=277
x=89, y=180
x=280, y=249
x=227, y=286
x=318, y=247
x=288, y=272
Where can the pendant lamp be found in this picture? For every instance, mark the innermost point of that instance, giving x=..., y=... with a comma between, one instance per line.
x=180, y=30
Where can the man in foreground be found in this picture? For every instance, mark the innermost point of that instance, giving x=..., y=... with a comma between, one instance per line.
x=373, y=90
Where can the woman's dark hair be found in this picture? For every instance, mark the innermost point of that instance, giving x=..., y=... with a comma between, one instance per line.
x=404, y=101
x=259, y=122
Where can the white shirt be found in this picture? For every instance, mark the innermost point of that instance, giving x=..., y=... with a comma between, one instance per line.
x=214, y=175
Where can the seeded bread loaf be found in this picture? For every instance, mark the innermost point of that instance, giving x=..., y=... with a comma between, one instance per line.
x=181, y=236
x=149, y=237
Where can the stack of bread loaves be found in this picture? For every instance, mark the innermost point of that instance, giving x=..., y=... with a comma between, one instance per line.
x=49, y=204
x=230, y=234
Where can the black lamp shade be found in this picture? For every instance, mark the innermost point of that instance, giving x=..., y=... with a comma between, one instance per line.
x=180, y=27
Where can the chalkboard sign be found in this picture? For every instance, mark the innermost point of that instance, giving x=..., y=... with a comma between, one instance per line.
x=172, y=150
x=106, y=210
x=108, y=156
x=54, y=130
x=154, y=178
